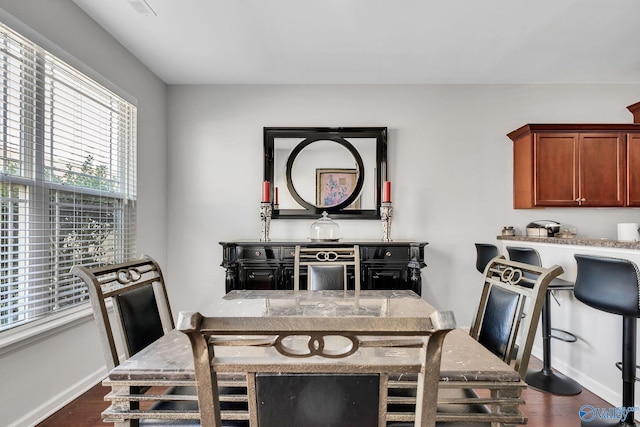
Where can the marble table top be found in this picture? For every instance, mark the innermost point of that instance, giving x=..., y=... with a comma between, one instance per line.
x=463, y=359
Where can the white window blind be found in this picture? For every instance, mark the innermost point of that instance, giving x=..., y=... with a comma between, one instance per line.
x=67, y=180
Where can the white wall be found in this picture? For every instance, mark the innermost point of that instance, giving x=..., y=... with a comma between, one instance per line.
x=43, y=374
x=450, y=162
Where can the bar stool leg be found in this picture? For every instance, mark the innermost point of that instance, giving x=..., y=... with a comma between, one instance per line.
x=629, y=328
x=546, y=380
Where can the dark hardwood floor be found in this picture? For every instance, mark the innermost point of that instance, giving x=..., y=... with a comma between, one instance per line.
x=543, y=410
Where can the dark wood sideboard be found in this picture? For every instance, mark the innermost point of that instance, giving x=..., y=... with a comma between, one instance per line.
x=270, y=265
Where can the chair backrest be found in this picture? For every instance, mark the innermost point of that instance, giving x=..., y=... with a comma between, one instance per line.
x=326, y=267
x=511, y=289
x=485, y=252
x=608, y=284
x=311, y=356
x=140, y=303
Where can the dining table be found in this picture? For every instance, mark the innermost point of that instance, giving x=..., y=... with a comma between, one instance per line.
x=475, y=385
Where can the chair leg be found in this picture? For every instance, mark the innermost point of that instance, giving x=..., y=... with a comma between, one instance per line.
x=547, y=380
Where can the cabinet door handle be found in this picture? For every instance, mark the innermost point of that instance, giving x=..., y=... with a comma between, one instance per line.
x=261, y=275
x=258, y=253
x=388, y=253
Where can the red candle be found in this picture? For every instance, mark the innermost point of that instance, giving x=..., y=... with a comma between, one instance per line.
x=276, y=196
x=266, y=191
x=386, y=191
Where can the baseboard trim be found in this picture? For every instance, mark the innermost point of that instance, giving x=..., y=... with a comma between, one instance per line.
x=595, y=387
x=48, y=408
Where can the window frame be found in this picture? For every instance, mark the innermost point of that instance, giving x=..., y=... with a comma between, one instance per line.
x=39, y=189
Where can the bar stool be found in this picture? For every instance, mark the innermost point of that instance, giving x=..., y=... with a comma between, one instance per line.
x=612, y=285
x=546, y=379
x=485, y=253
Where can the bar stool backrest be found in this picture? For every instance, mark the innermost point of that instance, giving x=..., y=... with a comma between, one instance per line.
x=608, y=284
x=525, y=255
x=485, y=252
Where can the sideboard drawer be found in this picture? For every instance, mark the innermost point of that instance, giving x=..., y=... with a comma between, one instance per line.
x=288, y=252
x=395, y=253
x=259, y=253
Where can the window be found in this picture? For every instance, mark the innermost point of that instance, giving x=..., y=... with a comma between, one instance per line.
x=67, y=180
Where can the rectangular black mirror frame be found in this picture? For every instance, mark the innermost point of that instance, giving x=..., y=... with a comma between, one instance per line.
x=379, y=133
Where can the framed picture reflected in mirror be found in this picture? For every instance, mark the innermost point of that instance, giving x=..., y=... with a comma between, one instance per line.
x=333, y=186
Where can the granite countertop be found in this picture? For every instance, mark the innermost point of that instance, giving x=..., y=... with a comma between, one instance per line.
x=576, y=241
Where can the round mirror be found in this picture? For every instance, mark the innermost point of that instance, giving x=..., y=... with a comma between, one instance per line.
x=326, y=172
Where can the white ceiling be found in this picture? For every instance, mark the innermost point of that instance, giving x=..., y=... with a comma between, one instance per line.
x=379, y=41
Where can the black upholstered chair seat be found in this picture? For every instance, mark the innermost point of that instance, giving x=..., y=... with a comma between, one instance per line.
x=140, y=317
x=501, y=313
x=325, y=277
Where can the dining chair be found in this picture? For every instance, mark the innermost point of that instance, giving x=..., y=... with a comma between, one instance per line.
x=510, y=305
x=136, y=293
x=327, y=267
x=508, y=311
x=319, y=376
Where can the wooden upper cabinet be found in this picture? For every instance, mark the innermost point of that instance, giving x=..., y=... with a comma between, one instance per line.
x=555, y=170
x=574, y=165
x=602, y=169
x=633, y=170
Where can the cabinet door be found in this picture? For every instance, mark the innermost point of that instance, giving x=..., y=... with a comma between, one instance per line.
x=387, y=277
x=601, y=169
x=555, y=169
x=633, y=170
x=259, y=277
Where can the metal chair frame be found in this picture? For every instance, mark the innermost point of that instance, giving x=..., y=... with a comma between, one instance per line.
x=318, y=256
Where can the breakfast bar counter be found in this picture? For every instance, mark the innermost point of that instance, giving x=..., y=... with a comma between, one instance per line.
x=589, y=360
x=595, y=243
